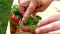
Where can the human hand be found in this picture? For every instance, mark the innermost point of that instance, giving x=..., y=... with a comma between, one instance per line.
x=50, y=25
x=28, y=7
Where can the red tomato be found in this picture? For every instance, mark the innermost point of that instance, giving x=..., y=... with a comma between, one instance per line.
x=33, y=32
x=13, y=19
x=19, y=29
x=12, y=30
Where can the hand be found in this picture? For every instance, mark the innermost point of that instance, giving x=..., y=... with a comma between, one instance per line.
x=50, y=25
x=27, y=7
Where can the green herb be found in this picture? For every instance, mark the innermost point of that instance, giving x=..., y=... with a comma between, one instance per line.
x=14, y=26
x=31, y=22
x=15, y=10
x=5, y=7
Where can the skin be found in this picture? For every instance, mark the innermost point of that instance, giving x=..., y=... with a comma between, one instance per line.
x=50, y=25
x=29, y=7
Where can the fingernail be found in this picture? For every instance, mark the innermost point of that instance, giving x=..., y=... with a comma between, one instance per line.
x=39, y=24
x=37, y=31
x=23, y=19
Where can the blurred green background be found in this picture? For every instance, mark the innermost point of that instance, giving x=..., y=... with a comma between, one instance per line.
x=5, y=7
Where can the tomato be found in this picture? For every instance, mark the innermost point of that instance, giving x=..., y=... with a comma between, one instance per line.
x=12, y=30
x=19, y=29
x=33, y=32
x=14, y=19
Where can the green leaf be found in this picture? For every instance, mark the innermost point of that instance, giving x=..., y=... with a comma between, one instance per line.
x=14, y=26
x=5, y=6
x=15, y=10
x=31, y=21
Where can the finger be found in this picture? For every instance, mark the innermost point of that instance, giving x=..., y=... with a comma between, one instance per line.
x=23, y=5
x=29, y=10
x=41, y=8
x=22, y=10
x=50, y=27
x=48, y=20
x=54, y=32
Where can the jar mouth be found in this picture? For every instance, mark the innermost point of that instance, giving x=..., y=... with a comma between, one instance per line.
x=23, y=33
x=27, y=28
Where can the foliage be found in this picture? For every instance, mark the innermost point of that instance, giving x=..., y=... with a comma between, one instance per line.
x=5, y=6
x=15, y=10
x=32, y=22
